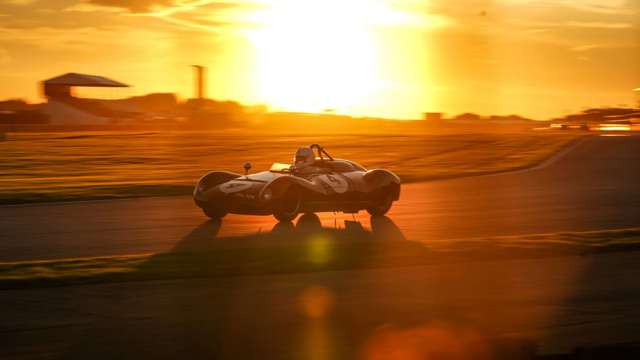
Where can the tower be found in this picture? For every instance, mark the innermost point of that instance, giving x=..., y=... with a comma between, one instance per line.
x=200, y=74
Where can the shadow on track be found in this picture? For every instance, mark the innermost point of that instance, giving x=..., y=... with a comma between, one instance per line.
x=288, y=248
x=205, y=236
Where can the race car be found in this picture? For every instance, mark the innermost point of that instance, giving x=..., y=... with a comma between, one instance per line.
x=316, y=182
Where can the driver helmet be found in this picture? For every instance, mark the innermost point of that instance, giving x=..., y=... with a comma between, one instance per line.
x=304, y=157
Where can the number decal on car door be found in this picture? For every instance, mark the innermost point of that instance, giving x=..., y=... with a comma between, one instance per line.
x=336, y=183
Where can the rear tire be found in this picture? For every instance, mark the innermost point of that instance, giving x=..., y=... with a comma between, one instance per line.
x=214, y=212
x=288, y=207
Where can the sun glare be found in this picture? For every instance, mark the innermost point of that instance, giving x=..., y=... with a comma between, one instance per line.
x=316, y=55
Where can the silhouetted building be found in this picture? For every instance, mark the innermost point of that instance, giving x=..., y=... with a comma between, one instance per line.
x=433, y=117
x=60, y=86
x=63, y=108
x=19, y=112
x=508, y=118
x=200, y=81
x=467, y=117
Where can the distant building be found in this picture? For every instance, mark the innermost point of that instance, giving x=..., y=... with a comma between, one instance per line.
x=433, y=117
x=467, y=117
x=18, y=112
x=200, y=81
x=63, y=108
x=508, y=119
x=60, y=86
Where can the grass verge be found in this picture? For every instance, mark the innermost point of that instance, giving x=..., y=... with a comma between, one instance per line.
x=55, y=167
x=324, y=250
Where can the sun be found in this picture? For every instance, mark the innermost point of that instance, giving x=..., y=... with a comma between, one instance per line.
x=315, y=55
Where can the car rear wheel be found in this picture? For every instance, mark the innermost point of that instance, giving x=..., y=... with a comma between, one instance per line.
x=214, y=211
x=287, y=207
x=381, y=206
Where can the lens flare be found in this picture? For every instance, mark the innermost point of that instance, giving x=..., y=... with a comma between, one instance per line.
x=316, y=301
x=319, y=251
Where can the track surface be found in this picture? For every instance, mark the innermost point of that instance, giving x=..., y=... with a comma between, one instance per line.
x=595, y=185
x=557, y=303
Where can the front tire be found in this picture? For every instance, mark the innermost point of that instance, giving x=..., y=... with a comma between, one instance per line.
x=309, y=222
x=382, y=206
x=214, y=212
x=288, y=207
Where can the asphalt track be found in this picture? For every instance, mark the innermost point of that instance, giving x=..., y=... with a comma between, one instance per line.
x=450, y=308
x=594, y=185
x=555, y=304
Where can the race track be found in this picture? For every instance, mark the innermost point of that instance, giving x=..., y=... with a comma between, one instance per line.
x=555, y=303
x=595, y=185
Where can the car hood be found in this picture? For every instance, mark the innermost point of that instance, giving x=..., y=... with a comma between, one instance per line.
x=252, y=183
x=264, y=176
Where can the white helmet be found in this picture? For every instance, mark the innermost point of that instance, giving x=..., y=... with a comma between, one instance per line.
x=303, y=158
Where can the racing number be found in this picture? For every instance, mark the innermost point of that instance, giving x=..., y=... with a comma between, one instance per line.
x=337, y=183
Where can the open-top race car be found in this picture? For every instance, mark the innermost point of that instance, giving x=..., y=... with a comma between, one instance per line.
x=316, y=182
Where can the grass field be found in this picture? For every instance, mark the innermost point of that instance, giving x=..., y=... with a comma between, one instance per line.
x=323, y=250
x=38, y=167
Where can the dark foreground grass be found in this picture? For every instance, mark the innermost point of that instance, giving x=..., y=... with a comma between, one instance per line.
x=308, y=251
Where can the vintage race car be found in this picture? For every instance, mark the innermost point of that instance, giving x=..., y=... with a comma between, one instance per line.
x=316, y=182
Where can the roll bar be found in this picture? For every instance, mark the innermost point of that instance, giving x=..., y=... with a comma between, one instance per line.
x=321, y=151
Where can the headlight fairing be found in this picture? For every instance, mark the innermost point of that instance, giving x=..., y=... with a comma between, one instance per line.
x=235, y=187
x=267, y=195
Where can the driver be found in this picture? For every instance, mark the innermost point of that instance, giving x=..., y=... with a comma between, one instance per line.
x=303, y=160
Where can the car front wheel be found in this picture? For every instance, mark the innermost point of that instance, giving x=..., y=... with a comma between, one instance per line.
x=381, y=206
x=214, y=212
x=287, y=208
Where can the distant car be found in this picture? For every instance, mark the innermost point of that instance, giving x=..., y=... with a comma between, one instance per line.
x=316, y=182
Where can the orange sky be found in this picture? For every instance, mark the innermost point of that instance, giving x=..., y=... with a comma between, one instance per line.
x=392, y=58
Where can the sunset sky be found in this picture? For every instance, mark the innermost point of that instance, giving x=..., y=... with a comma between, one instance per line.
x=391, y=58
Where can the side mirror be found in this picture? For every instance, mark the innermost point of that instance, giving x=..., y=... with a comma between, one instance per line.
x=247, y=167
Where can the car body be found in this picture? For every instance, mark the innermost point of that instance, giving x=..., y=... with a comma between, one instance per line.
x=327, y=185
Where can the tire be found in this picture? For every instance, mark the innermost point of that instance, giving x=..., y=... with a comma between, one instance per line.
x=382, y=205
x=214, y=212
x=309, y=222
x=288, y=207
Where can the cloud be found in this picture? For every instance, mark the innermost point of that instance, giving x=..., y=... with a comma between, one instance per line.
x=605, y=7
x=602, y=7
x=200, y=15
x=20, y=2
x=536, y=31
x=5, y=58
x=540, y=25
x=135, y=6
x=87, y=8
x=583, y=48
x=164, y=7
x=197, y=24
x=599, y=25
